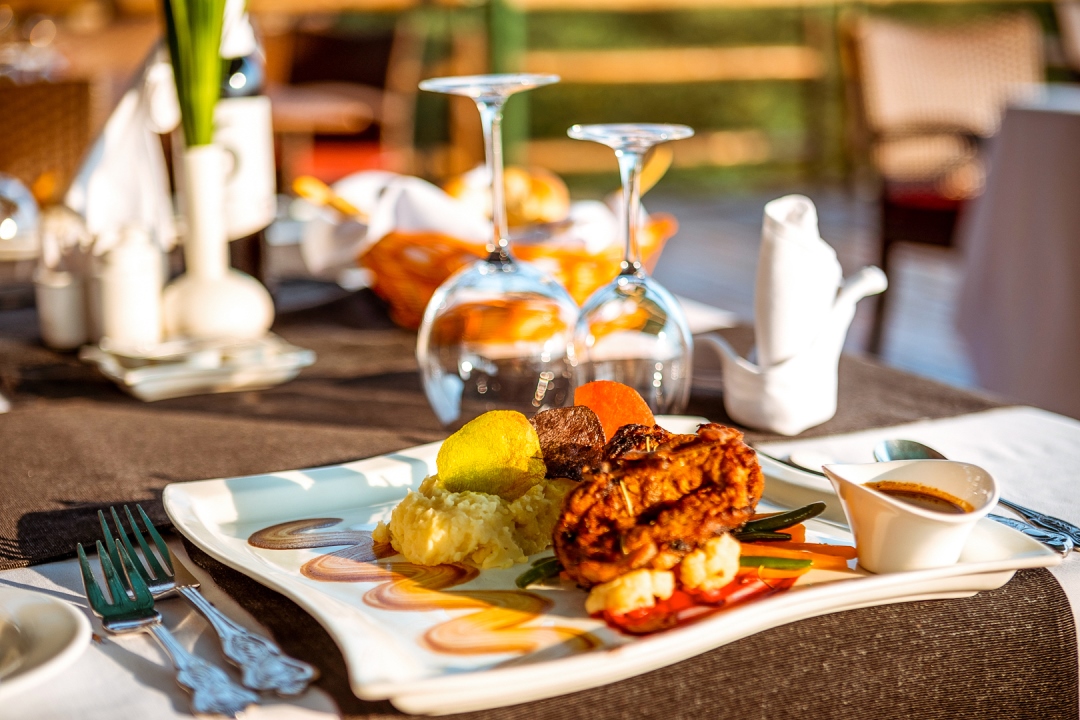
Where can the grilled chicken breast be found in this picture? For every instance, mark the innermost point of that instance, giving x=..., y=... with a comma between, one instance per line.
x=657, y=497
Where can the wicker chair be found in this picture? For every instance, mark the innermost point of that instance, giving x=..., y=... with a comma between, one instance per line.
x=926, y=97
x=331, y=91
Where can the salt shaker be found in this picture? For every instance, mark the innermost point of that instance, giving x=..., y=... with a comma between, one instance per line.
x=130, y=280
x=61, y=308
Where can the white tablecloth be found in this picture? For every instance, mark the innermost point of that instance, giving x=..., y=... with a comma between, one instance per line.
x=128, y=677
x=1032, y=453
x=1019, y=307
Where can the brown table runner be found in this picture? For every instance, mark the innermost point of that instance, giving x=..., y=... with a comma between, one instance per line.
x=73, y=444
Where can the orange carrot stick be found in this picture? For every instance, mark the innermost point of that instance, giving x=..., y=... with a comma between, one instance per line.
x=819, y=560
x=844, y=551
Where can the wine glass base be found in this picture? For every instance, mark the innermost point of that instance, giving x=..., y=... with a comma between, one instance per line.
x=496, y=336
x=500, y=85
x=634, y=331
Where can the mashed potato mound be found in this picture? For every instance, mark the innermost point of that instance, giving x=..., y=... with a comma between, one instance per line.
x=433, y=525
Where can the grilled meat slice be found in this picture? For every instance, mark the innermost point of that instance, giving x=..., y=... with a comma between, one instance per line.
x=571, y=439
x=649, y=509
x=635, y=437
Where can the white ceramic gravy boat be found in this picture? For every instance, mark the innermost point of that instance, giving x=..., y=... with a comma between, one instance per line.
x=894, y=536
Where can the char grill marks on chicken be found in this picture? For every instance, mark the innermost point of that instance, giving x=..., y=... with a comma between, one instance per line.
x=656, y=498
x=642, y=438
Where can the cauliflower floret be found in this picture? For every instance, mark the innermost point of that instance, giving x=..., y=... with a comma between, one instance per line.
x=381, y=533
x=636, y=589
x=711, y=567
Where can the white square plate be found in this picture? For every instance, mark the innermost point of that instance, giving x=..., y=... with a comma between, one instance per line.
x=386, y=647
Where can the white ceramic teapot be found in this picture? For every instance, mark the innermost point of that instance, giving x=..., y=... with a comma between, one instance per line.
x=799, y=392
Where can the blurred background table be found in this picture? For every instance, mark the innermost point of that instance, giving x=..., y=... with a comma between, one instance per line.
x=1020, y=301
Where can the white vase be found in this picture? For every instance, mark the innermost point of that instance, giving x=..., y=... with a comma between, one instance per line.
x=211, y=300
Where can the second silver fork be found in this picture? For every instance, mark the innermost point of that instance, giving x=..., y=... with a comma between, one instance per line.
x=262, y=663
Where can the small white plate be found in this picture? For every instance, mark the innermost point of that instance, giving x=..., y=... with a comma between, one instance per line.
x=386, y=641
x=51, y=635
x=182, y=368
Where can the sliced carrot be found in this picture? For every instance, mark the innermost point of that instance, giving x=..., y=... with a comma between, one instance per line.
x=797, y=533
x=615, y=405
x=819, y=560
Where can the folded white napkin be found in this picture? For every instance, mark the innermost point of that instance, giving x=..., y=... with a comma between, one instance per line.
x=802, y=314
x=124, y=182
x=389, y=202
x=409, y=204
x=798, y=276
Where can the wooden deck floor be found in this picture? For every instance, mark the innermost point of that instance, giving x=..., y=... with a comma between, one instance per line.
x=713, y=259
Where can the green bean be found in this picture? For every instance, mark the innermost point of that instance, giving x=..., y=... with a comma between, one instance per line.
x=539, y=571
x=783, y=520
x=758, y=536
x=773, y=563
x=541, y=561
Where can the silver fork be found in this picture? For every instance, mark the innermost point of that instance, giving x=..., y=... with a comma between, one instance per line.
x=132, y=610
x=262, y=664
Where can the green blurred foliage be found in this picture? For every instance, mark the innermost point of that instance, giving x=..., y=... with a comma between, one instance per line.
x=596, y=30
x=802, y=119
x=770, y=105
x=704, y=181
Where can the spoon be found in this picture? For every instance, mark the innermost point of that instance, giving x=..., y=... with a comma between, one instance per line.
x=910, y=450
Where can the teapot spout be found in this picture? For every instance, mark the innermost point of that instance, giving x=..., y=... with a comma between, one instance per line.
x=726, y=352
x=868, y=281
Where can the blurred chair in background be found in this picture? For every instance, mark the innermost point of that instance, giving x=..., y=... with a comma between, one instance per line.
x=926, y=96
x=1067, y=13
x=344, y=102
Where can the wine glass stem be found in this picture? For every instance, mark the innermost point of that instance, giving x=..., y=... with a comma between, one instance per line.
x=630, y=163
x=491, y=119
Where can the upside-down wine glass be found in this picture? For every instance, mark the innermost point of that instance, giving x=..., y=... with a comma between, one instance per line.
x=496, y=333
x=633, y=330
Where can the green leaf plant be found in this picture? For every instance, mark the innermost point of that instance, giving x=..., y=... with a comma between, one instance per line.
x=193, y=30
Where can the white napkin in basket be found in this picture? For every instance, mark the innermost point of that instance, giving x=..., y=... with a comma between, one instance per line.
x=388, y=202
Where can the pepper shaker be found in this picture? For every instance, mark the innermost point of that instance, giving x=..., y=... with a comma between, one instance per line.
x=130, y=280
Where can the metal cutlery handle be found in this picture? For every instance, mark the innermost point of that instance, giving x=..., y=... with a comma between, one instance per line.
x=1063, y=544
x=263, y=665
x=1046, y=521
x=212, y=692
